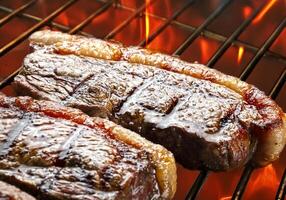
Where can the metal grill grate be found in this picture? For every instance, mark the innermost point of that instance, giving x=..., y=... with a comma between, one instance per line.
x=196, y=32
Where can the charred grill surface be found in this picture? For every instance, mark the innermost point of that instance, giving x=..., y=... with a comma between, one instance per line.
x=207, y=119
x=57, y=153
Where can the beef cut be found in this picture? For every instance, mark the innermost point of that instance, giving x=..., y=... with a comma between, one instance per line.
x=54, y=152
x=209, y=120
x=9, y=192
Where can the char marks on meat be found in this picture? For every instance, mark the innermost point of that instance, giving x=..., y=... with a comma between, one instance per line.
x=207, y=119
x=9, y=192
x=55, y=152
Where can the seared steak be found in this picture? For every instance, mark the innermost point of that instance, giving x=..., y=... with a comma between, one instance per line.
x=55, y=152
x=9, y=192
x=207, y=119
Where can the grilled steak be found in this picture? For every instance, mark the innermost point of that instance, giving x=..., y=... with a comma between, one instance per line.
x=207, y=119
x=54, y=152
x=9, y=192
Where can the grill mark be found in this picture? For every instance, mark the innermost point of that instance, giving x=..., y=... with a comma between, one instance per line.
x=119, y=106
x=67, y=145
x=92, y=75
x=135, y=93
x=41, y=192
x=46, y=76
x=12, y=135
x=77, y=87
x=174, y=104
x=58, y=79
x=39, y=88
x=172, y=111
x=80, y=84
x=44, y=191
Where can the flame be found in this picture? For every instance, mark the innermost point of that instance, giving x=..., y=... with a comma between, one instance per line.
x=240, y=54
x=147, y=22
x=152, y=23
x=267, y=178
x=63, y=18
x=225, y=198
x=264, y=11
x=204, y=50
x=247, y=10
x=265, y=183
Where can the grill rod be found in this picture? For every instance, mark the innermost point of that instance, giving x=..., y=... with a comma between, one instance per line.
x=197, y=185
x=206, y=33
x=5, y=19
x=128, y=20
x=282, y=188
x=278, y=83
x=233, y=37
x=278, y=86
x=91, y=17
x=199, y=30
x=33, y=18
x=240, y=188
x=166, y=23
x=26, y=34
x=262, y=50
x=203, y=174
x=248, y=170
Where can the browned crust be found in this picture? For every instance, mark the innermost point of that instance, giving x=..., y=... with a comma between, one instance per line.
x=162, y=159
x=160, y=156
x=270, y=132
x=10, y=192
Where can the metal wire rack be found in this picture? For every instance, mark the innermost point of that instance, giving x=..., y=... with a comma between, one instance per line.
x=196, y=32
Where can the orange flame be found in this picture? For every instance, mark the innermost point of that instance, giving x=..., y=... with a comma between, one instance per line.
x=267, y=178
x=267, y=181
x=247, y=10
x=225, y=198
x=204, y=50
x=147, y=22
x=63, y=18
x=152, y=23
x=240, y=54
x=264, y=11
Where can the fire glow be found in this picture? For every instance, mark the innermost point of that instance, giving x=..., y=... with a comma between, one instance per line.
x=263, y=184
x=147, y=21
x=240, y=54
x=204, y=51
x=264, y=11
x=225, y=198
x=247, y=10
x=266, y=180
x=152, y=23
x=64, y=19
